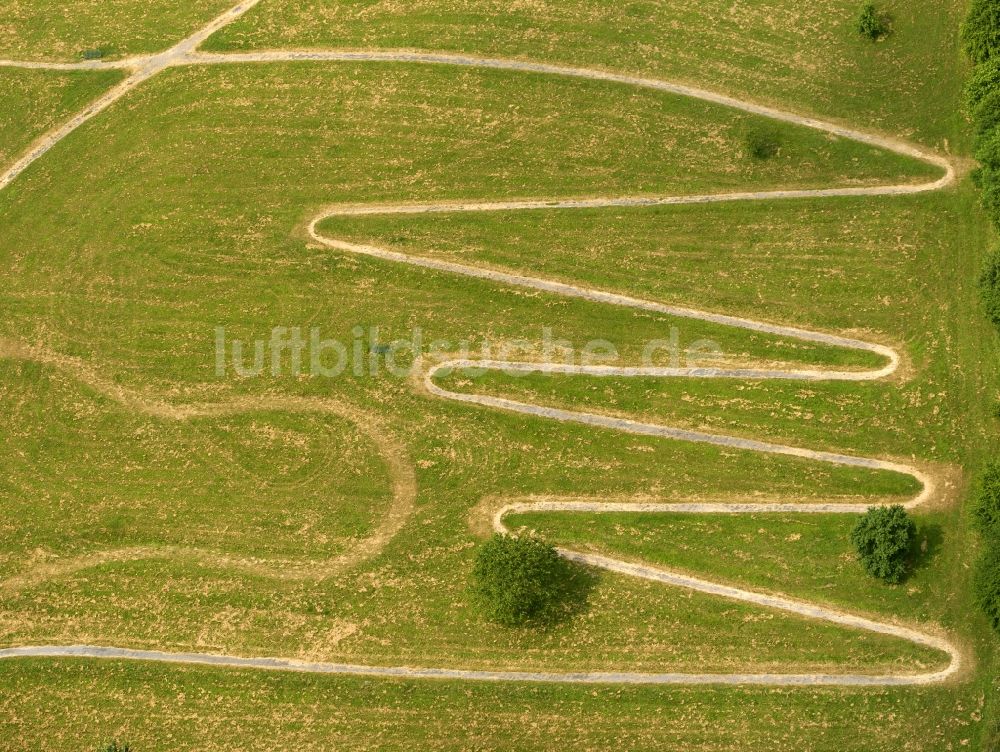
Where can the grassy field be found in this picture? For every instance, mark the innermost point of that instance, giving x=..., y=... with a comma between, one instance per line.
x=778, y=553
x=53, y=30
x=182, y=209
x=372, y=140
x=156, y=482
x=33, y=101
x=793, y=262
x=806, y=55
x=183, y=707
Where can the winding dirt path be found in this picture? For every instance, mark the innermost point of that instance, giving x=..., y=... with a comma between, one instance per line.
x=185, y=53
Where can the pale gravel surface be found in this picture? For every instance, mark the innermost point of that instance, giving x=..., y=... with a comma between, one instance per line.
x=185, y=53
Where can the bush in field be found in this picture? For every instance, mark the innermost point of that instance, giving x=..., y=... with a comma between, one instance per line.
x=987, y=583
x=761, y=143
x=882, y=538
x=871, y=24
x=519, y=580
x=118, y=747
x=981, y=30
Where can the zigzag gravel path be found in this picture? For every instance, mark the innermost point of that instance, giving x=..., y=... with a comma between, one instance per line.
x=186, y=53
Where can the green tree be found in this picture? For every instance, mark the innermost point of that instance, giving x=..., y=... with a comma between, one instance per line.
x=871, y=24
x=987, y=583
x=989, y=293
x=519, y=580
x=986, y=114
x=981, y=30
x=985, y=78
x=988, y=492
x=883, y=538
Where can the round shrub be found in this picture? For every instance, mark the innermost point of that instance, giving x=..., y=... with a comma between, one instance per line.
x=984, y=79
x=981, y=30
x=987, y=583
x=988, y=493
x=761, y=142
x=882, y=538
x=521, y=579
x=989, y=293
x=871, y=24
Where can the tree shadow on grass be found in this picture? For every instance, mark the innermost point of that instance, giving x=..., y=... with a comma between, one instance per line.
x=926, y=546
x=570, y=598
x=578, y=583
